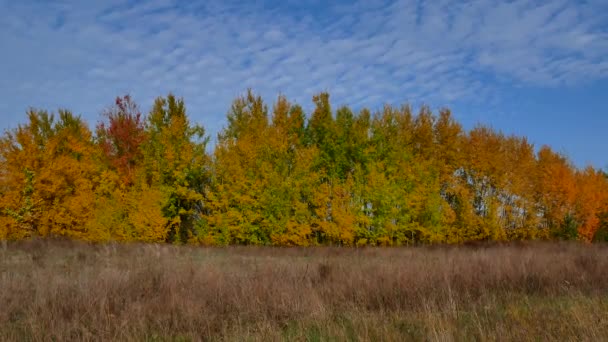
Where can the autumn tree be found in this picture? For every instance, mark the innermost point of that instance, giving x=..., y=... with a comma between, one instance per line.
x=276, y=177
x=127, y=208
x=121, y=137
x=556, y=194
x=235, y=215
x=48, y=177
x=591, y=202
x=175, y=161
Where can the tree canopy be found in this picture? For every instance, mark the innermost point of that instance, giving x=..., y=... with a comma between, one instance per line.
x=279, y=177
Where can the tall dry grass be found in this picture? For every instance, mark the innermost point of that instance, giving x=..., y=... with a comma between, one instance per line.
x=63, y=290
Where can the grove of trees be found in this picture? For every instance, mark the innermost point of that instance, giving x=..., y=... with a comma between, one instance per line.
x=279, y=177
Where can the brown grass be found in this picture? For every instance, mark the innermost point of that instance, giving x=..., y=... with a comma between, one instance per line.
x=73, y=291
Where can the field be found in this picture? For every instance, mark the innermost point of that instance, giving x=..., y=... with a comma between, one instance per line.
x=60, y=290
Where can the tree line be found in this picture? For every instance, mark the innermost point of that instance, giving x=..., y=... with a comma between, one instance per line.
x=279, y=177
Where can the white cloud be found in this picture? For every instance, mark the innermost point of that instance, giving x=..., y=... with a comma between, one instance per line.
x=366, y=53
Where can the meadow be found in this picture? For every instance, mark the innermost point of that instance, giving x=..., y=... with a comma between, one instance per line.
x=66, y=290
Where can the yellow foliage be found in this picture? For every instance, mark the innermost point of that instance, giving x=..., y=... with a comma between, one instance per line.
x=340, y=178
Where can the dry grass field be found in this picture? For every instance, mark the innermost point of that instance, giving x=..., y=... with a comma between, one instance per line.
x=60, y=290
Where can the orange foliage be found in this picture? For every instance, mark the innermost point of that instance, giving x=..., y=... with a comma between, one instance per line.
x=278, y=178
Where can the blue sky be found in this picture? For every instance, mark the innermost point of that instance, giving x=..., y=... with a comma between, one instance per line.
x=533, y=68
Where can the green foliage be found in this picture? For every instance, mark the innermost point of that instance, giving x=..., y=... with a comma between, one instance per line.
x=602, y=233
x=568, y=229
x=175, y=161
x=276, y=177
